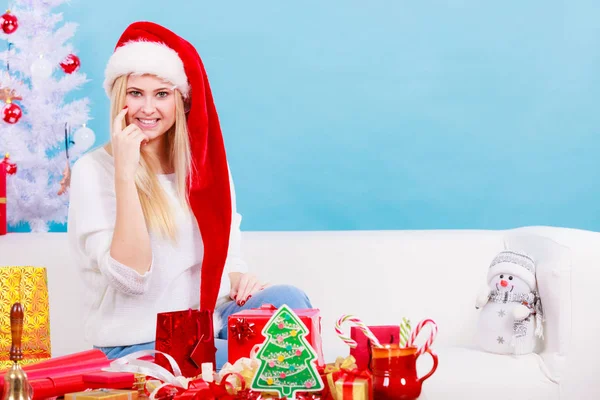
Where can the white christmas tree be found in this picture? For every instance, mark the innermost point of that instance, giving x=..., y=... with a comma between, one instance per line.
x=41, y=68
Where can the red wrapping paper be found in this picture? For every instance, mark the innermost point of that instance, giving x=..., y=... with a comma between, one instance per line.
x=2, y=200
x=61, y=375
x=245, y=327
x=81, y=358
x=56, y=386
x=109, y=380
x=188, y=337
x=386, y=334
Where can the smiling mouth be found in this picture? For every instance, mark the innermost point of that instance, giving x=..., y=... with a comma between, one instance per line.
x=148, y=123
x=511, y=289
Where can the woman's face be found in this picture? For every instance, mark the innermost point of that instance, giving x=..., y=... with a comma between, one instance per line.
x=151, y=103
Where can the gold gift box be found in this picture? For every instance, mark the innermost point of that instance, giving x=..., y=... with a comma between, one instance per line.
x=29, y=286
x=104, y=394
x=360, y=389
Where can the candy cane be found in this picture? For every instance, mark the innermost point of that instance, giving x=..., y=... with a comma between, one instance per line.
x=404, y=332
x=429, y=340
x=361, y=325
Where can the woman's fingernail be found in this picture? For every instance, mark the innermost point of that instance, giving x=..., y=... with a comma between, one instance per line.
x=248, y=297
x=242, y=303
x=125, y=107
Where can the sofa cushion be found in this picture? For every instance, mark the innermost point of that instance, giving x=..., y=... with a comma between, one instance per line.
x=553, y=274
x=473, y=374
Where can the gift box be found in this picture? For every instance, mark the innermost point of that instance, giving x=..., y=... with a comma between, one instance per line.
x=188, y=337
x=350, y=385
x=346, y=382
x=386, y=334
x=245, y=327
x=29, y=286
x=104, y=394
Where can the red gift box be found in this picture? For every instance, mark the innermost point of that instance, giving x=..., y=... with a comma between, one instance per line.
x=188, y=337
x=245, y=327
x=386, y=334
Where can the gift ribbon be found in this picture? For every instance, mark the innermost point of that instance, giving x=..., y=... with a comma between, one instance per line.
x=241, y=329
x=341, y=363
x=211, y=391
x=132, y=363
x=243, y=367
x=195, y=388
x=187, y=388
x=349, y=378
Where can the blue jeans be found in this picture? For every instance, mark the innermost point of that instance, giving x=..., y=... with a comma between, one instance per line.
x=277, y=295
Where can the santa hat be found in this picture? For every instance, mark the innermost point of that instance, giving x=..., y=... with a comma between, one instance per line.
x=514, y=263
x=148, y=48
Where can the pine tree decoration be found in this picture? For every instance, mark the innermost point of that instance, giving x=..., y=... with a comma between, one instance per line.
x=33, y=79
x=287, y=361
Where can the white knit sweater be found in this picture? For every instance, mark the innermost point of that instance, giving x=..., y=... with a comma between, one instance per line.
x=122, y=304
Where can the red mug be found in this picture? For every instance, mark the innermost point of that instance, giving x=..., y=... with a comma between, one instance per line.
x=394, y=371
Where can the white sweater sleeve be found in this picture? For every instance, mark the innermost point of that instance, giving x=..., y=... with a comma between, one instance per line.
x=235, y=261
x=92, y=214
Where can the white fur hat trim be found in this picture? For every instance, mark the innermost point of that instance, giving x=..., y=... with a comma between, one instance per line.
x=144, y=57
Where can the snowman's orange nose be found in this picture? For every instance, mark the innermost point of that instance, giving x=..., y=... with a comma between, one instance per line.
x=503, y=283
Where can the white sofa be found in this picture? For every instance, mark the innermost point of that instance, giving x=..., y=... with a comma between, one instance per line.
x=381, y=276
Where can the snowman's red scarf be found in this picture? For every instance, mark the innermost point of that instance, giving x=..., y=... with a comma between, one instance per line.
x=530, y=300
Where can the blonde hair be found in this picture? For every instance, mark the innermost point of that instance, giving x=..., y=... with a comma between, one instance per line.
x=155, y=203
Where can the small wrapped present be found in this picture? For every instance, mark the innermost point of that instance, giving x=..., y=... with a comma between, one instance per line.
x=386, y=334
x=245, y=327
x=103, y=394
x=188, y=337
x=29, y=286
x=346, y=382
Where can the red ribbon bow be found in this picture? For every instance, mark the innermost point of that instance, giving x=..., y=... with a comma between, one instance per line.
x=242, y=330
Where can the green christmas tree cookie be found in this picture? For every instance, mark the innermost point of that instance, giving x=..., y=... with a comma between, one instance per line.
x=287, y=361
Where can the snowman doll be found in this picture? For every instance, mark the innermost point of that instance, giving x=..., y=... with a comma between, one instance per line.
x=511, y=312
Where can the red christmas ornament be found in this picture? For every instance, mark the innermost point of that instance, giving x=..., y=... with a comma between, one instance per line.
x=11, y=168
x=70, y=64
x=11, y=113
x=9, y=22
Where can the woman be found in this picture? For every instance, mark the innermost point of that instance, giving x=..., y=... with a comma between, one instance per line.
x=153, y=213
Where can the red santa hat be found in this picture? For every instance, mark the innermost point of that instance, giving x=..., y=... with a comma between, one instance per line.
x=148, y=48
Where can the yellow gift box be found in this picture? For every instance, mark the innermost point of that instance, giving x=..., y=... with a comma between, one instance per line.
x=29, y=286
x=104, y=394
x=346, y=382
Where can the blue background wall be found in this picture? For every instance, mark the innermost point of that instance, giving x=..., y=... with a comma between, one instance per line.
x=391, y=115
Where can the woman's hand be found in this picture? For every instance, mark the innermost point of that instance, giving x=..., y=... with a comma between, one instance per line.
x=126, y=144
x=243, y=286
